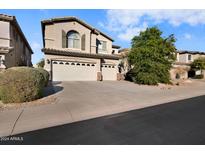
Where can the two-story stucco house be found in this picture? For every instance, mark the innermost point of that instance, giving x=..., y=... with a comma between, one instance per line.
x=183, y=60
x=188, y=56
x=75, y=51
x=14, y=48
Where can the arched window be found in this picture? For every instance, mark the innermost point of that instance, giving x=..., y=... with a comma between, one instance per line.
x=73, y=39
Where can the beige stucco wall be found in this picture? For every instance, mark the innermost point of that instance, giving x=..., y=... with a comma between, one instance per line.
x=93, y=43
x=196, y=56
x=4, y=34
x=184, y=57
x=53, y=36
x=109, y=44
x=182, y=70
x=115, y=51
x=49, y=36
x=69, y=58
x=110, y=61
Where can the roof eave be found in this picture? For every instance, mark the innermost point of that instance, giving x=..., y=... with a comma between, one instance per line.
x=64, y=19
x=190, y=52
x=116, y=47
x=78, y=54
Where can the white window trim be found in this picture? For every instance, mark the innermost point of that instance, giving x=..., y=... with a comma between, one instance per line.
x=79, y=39
x=101, y=50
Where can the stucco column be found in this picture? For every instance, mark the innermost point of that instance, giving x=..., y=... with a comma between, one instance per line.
x=99, y=71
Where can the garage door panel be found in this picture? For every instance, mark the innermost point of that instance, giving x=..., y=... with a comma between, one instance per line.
x=74, y=71
x=109, y=72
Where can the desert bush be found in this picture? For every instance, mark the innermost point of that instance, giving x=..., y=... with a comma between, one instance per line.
x=21, y=84
x=45, y=75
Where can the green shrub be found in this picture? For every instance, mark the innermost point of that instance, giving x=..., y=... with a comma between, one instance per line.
x=45, y=75
x=41, y=63
x=21, y=84
x=151, y=57
x=201, y=76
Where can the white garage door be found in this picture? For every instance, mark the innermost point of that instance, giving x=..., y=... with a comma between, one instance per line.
x=74, y=71
x=109, y=72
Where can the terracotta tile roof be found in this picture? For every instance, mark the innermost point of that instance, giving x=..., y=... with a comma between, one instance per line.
x=190, y=52
x=78, y=54
x=12, y=20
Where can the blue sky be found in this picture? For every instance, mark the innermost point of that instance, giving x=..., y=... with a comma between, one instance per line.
x=188, y=26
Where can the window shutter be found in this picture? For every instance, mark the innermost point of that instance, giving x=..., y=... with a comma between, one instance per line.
x=83, y=42
x=64, y=39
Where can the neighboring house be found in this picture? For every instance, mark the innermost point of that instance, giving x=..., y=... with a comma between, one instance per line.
x=14, y=48
x=75, y=51
x=188, y=56
x=115, y=49
x=181, y=68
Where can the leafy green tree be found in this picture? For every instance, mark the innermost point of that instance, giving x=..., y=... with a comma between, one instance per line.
x=41, y=63
x=198, y=64
x=151, y=57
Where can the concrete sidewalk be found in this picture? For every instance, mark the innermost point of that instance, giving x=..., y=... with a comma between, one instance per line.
x=85, y=100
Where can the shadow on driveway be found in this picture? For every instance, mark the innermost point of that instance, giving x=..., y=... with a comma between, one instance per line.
x=180, y=122
x=52, y=88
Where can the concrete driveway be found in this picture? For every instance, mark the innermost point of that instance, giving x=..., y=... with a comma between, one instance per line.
x=86, y=100
x=78, y=101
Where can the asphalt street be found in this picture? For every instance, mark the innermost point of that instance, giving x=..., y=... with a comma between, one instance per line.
x=181, y=122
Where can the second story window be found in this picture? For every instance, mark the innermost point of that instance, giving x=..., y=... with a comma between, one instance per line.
x=73, y=40
x=189, y=57
x=102, y=46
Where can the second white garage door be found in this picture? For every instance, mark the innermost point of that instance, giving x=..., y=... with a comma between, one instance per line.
x=73, y=71
x=109, y=72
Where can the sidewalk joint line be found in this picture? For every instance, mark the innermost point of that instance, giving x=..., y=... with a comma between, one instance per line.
x=16, y=122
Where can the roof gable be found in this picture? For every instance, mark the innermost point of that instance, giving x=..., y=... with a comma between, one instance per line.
x=66, y=19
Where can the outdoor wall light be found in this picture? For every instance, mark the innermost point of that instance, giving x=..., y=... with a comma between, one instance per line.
x=48, y=61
